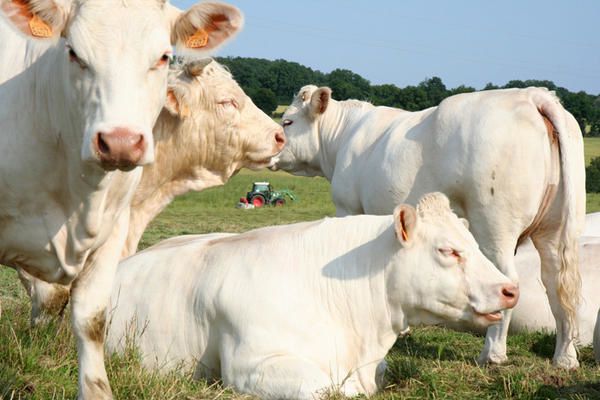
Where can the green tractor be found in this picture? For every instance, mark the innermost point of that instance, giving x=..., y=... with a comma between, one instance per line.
x=262, y=194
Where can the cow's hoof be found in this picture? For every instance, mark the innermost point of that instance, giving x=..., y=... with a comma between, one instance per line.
x=485, y=359
x=565, y=362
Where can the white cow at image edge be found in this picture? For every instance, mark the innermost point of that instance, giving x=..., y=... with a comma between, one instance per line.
x=75, y=125
x=208, y=130
x=511, y=162
x=532, y=312
x=292, y=311
x=592, y=225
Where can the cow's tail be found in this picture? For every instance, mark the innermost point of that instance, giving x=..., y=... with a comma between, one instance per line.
x=573, y=177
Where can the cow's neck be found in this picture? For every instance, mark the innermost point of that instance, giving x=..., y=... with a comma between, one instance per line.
x=335, y=127
x=353, y=286
x=183, y=162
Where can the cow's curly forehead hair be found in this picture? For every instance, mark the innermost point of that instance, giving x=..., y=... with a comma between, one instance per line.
x=434, y=204
x=193, y=68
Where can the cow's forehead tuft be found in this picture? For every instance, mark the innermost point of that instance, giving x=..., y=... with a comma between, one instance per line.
x=434, y=204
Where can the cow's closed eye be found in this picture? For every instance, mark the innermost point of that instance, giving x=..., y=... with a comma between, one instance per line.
x=450, y=252
x=229, y=103
x=287, y=122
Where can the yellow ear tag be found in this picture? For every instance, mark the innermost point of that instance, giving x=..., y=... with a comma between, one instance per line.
x=39, y=28
x=198, y=39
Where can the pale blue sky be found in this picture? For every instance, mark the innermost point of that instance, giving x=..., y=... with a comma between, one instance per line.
x=469, y=42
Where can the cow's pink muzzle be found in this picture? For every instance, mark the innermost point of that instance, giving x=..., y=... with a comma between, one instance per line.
x=120, y=148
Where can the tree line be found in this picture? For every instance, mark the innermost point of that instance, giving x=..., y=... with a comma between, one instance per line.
x=270, y=83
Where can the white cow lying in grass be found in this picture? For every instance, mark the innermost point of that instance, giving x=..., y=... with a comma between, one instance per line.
x=208, y=130
x=290, y=311
x=511, y=162
x=592, y=225
x=533, y=311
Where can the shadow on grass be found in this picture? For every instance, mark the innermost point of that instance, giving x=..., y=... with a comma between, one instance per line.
x=587, y=390
x=543, y=344
x=415, y=347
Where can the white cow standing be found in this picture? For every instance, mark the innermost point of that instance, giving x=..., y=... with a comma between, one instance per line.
x=292, y=311
x=511, y=162
x=74, y=127
x=208, y=130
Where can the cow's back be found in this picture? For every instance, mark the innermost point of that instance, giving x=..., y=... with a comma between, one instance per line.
x=469, y=148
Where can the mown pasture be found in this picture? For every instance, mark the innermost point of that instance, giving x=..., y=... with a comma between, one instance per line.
x=430, y=363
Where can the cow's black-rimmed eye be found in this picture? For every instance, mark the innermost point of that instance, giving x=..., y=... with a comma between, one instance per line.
x=286, y=122
x=164, y=60
x=73, y=57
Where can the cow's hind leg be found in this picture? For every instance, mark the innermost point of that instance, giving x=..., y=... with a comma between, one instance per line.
x=547, y=245
x=48, y=300
x=281, y=377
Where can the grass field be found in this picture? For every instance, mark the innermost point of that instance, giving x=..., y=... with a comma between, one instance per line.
x=592, y=148
x=431, y=363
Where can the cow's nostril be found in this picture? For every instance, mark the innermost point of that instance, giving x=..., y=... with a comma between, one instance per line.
x=280, y=138
x=102, y=145
x=508, y=293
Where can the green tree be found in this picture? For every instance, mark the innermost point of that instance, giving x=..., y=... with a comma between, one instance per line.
x=435, y=91
x=346, y=84
x=461, y=89
x=384, y=95
x=592, y=176
x=264, y=99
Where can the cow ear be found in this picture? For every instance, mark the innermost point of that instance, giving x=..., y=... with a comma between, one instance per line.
x=405, y=222
x=204, y=27
x=40, y=19
x=319, y=101
x=177, y=103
